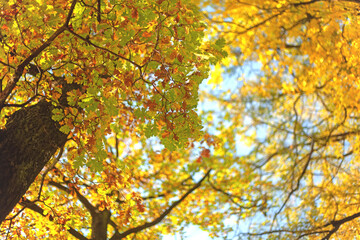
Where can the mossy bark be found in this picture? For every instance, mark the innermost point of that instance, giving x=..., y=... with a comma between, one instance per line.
x=27, y=143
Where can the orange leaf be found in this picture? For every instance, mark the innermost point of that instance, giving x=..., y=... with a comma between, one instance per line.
x=180, y=57
x=146, y=34
x=205, y=153
x=134, y=13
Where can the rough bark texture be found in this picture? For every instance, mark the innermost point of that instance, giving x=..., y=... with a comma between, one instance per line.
x=27, y=143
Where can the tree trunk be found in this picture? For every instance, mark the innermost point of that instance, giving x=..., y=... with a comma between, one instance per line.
x=100, y=220
x=27, y=143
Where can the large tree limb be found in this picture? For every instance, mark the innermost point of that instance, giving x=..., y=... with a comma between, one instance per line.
x=337, y=223
x=27, y=143
x=29, y=139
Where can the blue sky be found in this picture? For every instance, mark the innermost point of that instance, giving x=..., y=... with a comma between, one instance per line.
x=192, y=233
x=230, y=83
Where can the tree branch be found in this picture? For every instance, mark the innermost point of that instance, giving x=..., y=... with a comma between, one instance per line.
x=104, y=49
x=81, y=198
x=32, y=206
x=20, y=69
x=337, y=223
x=298, y=181
x=165, y=213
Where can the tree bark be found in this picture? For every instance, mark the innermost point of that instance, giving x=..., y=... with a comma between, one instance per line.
x=100, y=220
x=27, y=143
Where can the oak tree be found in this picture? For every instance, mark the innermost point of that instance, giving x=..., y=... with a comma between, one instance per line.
x=88, y=82
x=72, y=72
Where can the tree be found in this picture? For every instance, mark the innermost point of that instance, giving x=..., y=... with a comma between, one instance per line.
x=78, y=70
x=296, y=113
x=65, y=202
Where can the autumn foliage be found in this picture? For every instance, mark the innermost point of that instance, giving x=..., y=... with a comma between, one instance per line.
x=272, y=153
x=296, y=111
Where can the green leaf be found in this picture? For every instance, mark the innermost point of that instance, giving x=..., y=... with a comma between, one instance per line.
x=65, y=129
x=57, y=114
x=220, y=42
x=150, y=130
x=79, y=161
x=95, y=165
